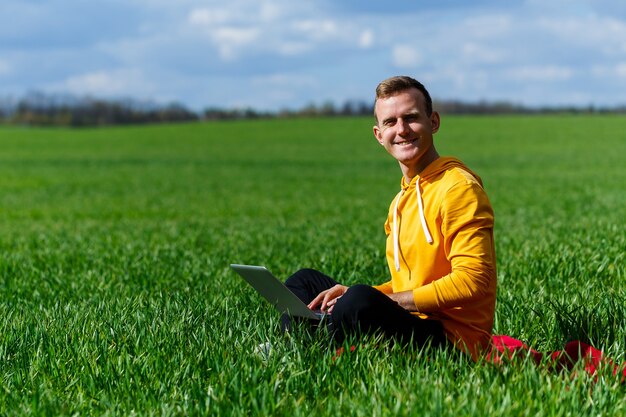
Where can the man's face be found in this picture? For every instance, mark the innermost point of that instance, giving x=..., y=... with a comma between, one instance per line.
x=404, y=129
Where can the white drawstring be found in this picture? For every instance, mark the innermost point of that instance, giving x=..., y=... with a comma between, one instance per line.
x=395, y=232
x=429, y=238
x=420, y=204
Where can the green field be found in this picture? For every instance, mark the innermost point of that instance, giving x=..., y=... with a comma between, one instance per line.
x=116, y=297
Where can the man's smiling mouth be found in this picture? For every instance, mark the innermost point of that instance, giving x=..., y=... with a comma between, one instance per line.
x=406, y=142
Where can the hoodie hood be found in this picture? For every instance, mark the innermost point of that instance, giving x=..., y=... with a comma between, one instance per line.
x=436, y=167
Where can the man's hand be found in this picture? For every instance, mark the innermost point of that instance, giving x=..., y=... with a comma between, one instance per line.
x=327, y=299
x=405, y=299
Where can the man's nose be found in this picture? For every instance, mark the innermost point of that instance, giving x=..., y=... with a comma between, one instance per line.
x=401, y=127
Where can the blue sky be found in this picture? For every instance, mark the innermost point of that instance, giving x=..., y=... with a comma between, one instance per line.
x=286, y=53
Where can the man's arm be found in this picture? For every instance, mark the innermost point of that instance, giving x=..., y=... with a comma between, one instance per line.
x=404, y=299
x=467, y=227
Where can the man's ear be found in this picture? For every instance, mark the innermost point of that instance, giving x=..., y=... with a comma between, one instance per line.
x=378, y=134
x=435, y=121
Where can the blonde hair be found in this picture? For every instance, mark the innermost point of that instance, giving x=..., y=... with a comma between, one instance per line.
x=394, y=85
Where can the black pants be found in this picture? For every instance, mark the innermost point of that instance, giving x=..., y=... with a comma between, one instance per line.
x=365, y=310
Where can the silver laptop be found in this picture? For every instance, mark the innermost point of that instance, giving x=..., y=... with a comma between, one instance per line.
x=274, y=291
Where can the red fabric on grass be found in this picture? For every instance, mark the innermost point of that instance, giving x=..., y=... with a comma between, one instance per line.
x=505, y=348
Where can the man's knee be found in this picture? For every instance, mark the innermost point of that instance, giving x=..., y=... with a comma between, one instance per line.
x=300, y=277
x=358, y=299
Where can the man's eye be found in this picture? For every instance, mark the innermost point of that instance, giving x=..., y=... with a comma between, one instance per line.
x=389, y=122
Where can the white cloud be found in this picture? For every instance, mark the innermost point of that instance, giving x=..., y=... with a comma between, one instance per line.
x=271, y=11
x=230, y=39
x=290, y=48
x=207, y=16
x=118, y=82
x=5, y=68
x=458, y=83
x=366, y=39
x=239, y=29
x=620, y=70
x=318, y=29
x=226, y=29
x=284, y=80
x=540, y=73
x=405, y=56
x=243, y=12
x=273, y=91
x=488, y=26
x=609, y=71
x=482, y=53
x=604, y=33
x=235, y=35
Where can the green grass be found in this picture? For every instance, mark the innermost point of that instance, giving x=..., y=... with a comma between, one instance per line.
x=116, y=297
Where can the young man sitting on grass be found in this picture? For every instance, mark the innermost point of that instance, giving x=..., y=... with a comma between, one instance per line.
x=440, y=246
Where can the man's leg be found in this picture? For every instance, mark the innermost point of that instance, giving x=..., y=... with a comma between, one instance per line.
x=365, y=310
x=306, y=284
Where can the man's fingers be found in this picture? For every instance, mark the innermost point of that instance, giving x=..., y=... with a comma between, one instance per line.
x=319, y=299
x=330, y=304
x=315, y=301
x=333, y=301
x=325, y=302
x=327, y=298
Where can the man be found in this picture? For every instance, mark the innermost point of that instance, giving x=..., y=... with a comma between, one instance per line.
x=440, y=247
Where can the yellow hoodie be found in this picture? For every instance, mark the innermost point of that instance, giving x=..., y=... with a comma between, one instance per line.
x=440, y=245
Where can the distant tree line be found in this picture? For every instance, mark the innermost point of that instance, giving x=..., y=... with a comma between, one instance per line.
x=41, y=109
x=61, y=110
x=503, y=107
x=349, y=108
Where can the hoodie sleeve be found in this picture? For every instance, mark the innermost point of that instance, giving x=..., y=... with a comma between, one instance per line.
x=467, y=228
x=385, y=288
